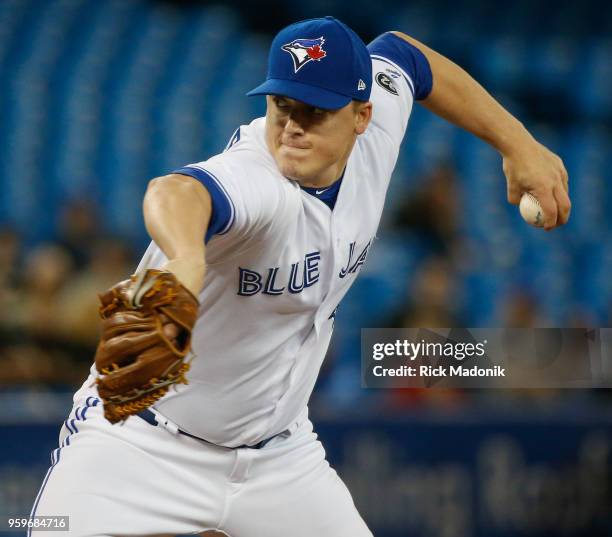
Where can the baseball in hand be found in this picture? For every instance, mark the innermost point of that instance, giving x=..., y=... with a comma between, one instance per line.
x=531, y=210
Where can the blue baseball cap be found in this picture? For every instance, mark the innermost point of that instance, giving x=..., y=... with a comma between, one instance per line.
x=320, y=62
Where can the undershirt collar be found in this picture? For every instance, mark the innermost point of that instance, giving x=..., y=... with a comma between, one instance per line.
x=327, y=194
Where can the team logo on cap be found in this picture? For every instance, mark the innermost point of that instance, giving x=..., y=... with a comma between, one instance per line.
x=303, y=51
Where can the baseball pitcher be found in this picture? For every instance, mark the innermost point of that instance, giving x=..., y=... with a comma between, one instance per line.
x=194, y=419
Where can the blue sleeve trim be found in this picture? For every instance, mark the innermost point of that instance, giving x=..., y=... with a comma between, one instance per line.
x=408, y=57
x=223, y=212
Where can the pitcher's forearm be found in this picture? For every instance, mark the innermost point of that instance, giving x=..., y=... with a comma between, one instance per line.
x=177, y=211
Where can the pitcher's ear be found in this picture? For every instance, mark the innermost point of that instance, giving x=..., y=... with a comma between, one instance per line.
x=363, y=115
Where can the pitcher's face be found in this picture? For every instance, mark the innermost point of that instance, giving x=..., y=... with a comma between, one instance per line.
x=311, y=145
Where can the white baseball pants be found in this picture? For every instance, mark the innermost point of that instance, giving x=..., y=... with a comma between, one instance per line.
x=136, y=479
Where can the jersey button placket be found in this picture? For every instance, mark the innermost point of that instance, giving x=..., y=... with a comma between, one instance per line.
x=334, y=240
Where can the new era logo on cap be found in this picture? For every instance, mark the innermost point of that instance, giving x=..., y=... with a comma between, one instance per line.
x=303, y=51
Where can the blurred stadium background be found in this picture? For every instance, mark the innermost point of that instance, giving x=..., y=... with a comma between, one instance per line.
x=99, y=96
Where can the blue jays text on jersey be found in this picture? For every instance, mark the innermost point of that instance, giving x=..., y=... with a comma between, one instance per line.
x=302, y=274
x=252, y=282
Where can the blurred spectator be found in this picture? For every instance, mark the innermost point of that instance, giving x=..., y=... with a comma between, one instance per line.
x=110, y=262
x=520, y=310
x=9, y=270
x=10, y=246
x=432, y=212
x=47, y=270
x=79, y=228
x=429, y=304
x=430, y=299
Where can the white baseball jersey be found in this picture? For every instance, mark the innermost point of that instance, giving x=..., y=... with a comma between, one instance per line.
x=277, y=271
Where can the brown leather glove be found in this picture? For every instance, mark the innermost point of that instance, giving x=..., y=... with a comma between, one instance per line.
x=135, y=359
